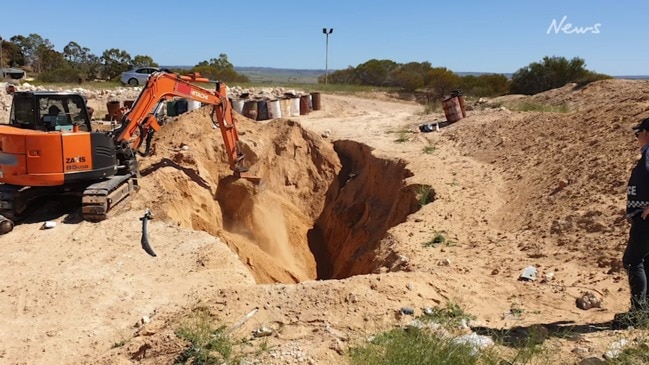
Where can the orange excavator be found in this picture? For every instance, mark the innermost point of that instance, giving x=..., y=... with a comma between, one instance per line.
x=49, y=149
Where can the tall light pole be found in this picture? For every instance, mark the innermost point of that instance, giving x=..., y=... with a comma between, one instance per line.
x=324, y=30
x=2, y=72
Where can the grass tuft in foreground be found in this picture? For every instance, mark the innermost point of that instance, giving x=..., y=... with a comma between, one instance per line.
x=413, y=346
x=208, y=344
x=425, y=195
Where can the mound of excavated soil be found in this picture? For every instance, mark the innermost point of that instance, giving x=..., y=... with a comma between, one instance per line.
x=187, y=180
x=566, y=173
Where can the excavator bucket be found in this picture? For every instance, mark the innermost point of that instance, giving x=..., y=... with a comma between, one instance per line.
x=241, y=170
x=253, y=179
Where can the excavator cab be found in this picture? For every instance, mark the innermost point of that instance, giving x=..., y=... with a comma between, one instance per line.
x=49, y=111
x=48, y=149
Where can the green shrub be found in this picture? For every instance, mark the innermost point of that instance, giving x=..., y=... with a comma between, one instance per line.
x=429, y=149
x=403, y=137
x=485, y=85
x=208, y=344
x=425, y=194
x=450, y=316
x=62, y=75
x=591, y=77
x=413, y=347
x=432, y=108
x=439, y=239
x=632, y=355
x=118, y=344
x=550, y=73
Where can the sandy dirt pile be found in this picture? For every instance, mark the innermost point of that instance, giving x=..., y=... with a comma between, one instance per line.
x=505, y=189
x=188, y=180
x=566, y=173
x=65, y=289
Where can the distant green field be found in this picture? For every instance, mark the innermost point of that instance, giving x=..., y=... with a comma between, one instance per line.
x=276, y=76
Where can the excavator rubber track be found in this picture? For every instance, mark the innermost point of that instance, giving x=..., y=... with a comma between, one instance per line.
x=99, y=198
x=7, y=193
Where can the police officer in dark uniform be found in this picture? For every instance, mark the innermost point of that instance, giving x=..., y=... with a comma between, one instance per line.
x=636, y=254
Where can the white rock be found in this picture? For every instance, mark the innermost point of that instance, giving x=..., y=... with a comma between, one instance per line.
x=616, y=349
x=475, y=341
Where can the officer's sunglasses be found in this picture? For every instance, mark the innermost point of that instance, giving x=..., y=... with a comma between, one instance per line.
x=637, y=133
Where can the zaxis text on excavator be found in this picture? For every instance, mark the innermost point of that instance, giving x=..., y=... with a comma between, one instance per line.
x=49, y=149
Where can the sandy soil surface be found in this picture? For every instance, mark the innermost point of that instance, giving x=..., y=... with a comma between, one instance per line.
x=333, y=242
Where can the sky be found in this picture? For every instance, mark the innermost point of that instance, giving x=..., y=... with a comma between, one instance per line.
x=466, y=36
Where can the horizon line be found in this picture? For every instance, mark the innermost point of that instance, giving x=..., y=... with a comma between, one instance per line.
x=644, y=76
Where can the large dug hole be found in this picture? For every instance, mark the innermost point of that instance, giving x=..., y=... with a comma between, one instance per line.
x=368, y=197
x=321, y=211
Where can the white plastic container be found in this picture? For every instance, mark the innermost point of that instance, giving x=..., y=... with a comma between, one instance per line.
x=193, y=105
x=237, y=104
x=285, y=107
x=295, y=107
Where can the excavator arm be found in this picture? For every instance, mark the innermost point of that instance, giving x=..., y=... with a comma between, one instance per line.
x=161, y=86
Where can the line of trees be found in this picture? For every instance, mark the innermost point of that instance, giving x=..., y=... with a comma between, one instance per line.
x=438, y=82
x=550, y=73
x=77, y=63
x=219, y=69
